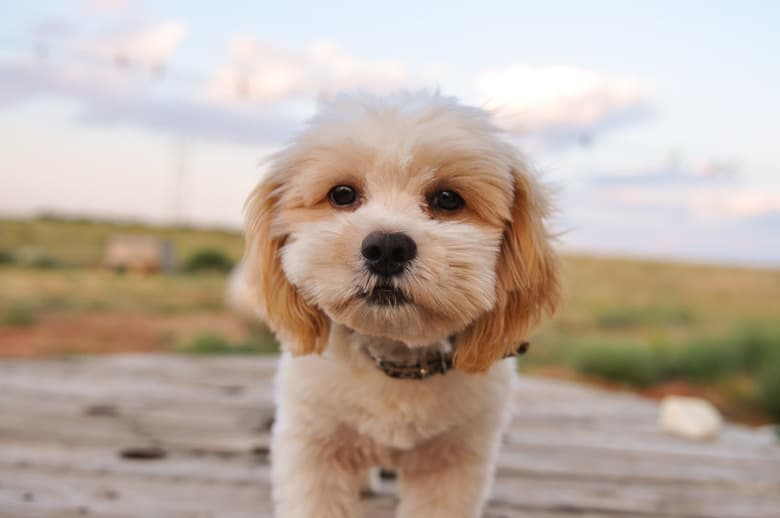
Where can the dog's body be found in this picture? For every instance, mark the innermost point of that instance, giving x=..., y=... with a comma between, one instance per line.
x=392, y=230
x=339, y=414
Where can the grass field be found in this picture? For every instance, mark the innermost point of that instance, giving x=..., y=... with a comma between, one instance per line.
x=653, y=327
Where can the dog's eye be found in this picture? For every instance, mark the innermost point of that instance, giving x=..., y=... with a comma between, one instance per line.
x=447, y=200
x=342, y=195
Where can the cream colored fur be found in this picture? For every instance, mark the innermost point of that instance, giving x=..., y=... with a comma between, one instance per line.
x=481, y=278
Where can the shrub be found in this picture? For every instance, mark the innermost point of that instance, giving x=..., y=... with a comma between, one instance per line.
x=46, y=262
x=707, y=360
x=755, y=346
x=710, y=359
x=259, y=341
x=631, y=364
x=6, y=257
x=769, y=385
x=208, y=259
x=19, y=316
x=619, y=318
x=628, y=317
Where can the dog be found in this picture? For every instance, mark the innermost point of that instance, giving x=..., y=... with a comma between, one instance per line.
x=399, y=249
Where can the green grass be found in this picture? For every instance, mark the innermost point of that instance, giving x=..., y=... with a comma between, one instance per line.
x=639, y=323
x=260, y=341
x=6, y=257
x=653, y=315
x=208, y=259
x=631, y=364
x=702, y=360
x=769, y=386
x=19, y=316
x=46, y=262
x=79, y=242
x=75, y=290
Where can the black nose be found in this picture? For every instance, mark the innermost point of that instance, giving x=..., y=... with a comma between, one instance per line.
x=388, y=254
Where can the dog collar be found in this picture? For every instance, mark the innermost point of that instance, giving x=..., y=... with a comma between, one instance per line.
x=434, y=362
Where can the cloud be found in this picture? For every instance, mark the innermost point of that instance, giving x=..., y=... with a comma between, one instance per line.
x=107, y=6
x=193, y=118
x=731, y=203
x=109, y=77
x=109, y=98
x=151, y=46
x=737, y=225
x=558, y=105
x=264, y=73
x=672, y=172
x=53, y=28
x=548, y=106
x=112, y=93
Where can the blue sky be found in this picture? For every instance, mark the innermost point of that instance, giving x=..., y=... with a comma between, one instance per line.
x=656, y=121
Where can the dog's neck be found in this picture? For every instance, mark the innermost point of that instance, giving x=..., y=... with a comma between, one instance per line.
x=398, y=360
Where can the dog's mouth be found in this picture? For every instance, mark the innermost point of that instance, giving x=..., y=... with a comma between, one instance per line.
x=385, y=295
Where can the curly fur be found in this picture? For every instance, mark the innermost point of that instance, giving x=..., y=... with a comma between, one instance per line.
x=482, y=277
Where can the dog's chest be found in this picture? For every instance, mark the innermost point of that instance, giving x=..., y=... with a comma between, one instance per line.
x=389, y=412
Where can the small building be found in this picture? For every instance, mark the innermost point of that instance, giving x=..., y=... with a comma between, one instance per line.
x=139, y=253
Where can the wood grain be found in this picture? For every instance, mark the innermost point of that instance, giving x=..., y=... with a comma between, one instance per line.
x=570, y=451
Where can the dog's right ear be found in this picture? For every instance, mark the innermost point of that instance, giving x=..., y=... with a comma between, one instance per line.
x=300, y=327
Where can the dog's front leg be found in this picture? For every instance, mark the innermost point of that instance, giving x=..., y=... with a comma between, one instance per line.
x=450, y=476
x=314, y=475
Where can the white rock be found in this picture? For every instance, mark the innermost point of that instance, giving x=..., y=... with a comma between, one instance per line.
x=689, y=417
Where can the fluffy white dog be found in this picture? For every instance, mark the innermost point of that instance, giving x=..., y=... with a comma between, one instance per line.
x=399, y=250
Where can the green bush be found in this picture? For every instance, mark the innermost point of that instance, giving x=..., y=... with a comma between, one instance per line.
x=699, y=360
x=769, y=385
x=628, y=317
x=707, y=360
x=208, y=259
x=756, y=345
x=259, y=341
x=46, y=262
x=631, y=364
x=19, y=316
x=6, y=257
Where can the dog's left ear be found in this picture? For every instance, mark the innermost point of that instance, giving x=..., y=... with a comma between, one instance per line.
x=527, y=281
x=301, y=327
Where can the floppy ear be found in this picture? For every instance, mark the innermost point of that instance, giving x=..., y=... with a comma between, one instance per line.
x=300, y=327
x=527, y=282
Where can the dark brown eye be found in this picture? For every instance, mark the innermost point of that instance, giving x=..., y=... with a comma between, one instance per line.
x=342, y=195
x=447, y=200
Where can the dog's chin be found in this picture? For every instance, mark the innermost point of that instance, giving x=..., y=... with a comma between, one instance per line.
x=387, y=312
x=385, y=295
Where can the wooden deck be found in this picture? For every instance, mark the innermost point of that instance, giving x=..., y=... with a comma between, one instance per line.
x=76, y=436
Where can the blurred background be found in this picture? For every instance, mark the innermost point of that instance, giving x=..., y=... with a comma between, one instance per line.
x=132, y=131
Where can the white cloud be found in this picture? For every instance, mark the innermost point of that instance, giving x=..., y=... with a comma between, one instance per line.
x=672, y=172
x=100, y=66
x=560, y=102
x=265, y=73
x=108, y=94
x=108, y=6
x=716, y=168
x=150, y=45
x=742, y=203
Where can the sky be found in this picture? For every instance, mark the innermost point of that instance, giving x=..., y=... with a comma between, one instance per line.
x=655, y=122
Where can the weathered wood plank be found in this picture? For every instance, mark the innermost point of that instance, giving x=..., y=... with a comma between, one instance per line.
x=570, y=449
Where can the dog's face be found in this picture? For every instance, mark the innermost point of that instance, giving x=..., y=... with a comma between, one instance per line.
x=407, y=218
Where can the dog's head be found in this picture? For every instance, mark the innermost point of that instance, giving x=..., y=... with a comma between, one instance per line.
x=407, y=217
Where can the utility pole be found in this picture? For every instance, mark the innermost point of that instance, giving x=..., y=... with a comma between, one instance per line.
x=181, y=172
